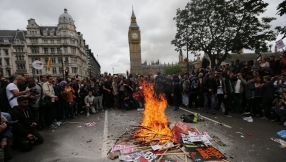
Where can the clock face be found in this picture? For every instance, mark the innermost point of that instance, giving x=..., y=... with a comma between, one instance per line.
x=134, y=35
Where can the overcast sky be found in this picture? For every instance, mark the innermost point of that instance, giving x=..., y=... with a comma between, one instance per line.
x=104, y=25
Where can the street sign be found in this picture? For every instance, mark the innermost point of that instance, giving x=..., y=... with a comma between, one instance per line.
x=38, y=64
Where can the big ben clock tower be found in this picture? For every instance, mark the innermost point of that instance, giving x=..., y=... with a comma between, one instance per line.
x=134, y=39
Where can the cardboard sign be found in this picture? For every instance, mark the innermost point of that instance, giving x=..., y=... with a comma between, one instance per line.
x=280, y=44
x=185, y=139
x=120, y=147
x=136, y=155
x=206, y=154
x=168, y=160
x=182, y=127
x=150, y=156
x=90, y=124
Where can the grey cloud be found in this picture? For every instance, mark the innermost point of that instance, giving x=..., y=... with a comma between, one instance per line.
x=104, y=25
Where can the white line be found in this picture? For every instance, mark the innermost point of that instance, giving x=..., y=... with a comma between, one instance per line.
x=207, y=118
x=105, y=134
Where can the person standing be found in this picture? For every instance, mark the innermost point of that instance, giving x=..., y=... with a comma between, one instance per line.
x=115, y=92
x=97, y=93
x=12, y=93
x=49, y=99
x=238, y=84
x=267, y=96
x=177, y=92
x=210, y=89
x=107, y=87
x=69, y=98
x=249, y=94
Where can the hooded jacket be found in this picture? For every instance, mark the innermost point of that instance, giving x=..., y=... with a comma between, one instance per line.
x=25, y=120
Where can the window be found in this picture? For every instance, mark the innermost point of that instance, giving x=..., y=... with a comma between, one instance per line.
x=34, y=40
x=35, y=50
x=19, y=49
x=21, y=66
x=35, y=58
x=66, y=49
x=66, y=60
x=7, y=61
x=46, y=60
x=74, y=69
x=8, y=72
x=46, y=41
x=73, y=50
x=52, y=41
x=59, y=41
x=64, y=33
x=1, y=71
x=6, y=40
x=52, y=50
x=60, y=70
x=65, y=41
x=53, y=60
x=73, y=60
x=54, y=70
x=6, y=52
x=59, y=50
x=46, y=50
x=60, y=60
x=0, y=61
x=20, y=57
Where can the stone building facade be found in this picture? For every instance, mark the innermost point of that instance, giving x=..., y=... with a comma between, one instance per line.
x=62, y=43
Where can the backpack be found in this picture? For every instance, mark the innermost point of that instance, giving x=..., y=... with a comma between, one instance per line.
x=5, y=106
x=194, y=84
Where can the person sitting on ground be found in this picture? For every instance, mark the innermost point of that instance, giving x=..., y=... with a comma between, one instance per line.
x=6, y=135
x=89, y=103
x=25, y=134
x=127, y=100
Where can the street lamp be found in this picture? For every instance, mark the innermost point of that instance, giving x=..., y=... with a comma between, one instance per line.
x=62, y=63
x=113, y=70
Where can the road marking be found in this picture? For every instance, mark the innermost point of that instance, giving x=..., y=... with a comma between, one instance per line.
x=207, y=118
x=104, y=148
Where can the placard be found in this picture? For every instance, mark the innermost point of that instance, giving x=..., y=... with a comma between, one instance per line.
x=207, y=154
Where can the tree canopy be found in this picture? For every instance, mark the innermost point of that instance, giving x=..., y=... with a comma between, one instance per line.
x=221, y=27
x=170, y=70
x=281, y=8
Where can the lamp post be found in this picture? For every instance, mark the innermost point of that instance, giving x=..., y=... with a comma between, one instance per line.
x=113, y=70
x=62, y=63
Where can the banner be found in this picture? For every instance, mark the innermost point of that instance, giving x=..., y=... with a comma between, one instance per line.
x=280, y=44
x=49, y=65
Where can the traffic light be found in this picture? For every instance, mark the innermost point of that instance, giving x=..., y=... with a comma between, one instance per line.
x=67, y=72
x=76, y=76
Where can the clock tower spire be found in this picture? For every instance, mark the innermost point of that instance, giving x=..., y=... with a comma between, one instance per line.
x=134, y=40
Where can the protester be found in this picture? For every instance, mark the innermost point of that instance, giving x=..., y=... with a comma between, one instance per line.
x=89, y=103
x=25, y=135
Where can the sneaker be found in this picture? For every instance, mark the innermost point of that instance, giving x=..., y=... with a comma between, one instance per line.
x=247, y=118
x=245, y=113
x=264, y=118
x=87, y=115
x=250, y=120
x=229, y=116
x=53, y=126
x=57, y=124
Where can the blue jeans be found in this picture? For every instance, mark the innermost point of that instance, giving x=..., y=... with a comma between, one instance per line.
x=207, y=97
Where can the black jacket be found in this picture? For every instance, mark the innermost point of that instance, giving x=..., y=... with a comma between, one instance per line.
x=267, y=91
x=210, y=84
x=25, y=120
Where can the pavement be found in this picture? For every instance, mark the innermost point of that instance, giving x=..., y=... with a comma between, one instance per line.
x=72, y=142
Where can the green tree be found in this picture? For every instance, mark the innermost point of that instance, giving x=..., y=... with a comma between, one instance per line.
x=173, y=70
x=281, y=11
x=220, y=27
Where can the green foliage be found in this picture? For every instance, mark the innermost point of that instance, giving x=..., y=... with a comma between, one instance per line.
x=220, y=27
x=173, y=70
x=281, y=11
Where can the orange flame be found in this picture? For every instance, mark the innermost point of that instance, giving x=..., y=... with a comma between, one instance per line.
x=154, y=117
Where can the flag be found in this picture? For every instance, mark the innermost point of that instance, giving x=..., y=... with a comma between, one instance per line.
x=49, y=64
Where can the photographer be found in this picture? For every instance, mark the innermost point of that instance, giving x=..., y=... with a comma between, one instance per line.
x=34, y=97
x=25, y=135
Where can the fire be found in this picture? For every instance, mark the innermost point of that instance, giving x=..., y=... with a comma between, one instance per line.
x=154, y=117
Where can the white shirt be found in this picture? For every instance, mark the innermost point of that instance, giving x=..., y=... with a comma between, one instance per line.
x=237, y=86
x=219, y=90
x=9, y=94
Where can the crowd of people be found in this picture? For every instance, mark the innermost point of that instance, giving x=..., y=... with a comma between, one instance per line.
x=253, y=88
